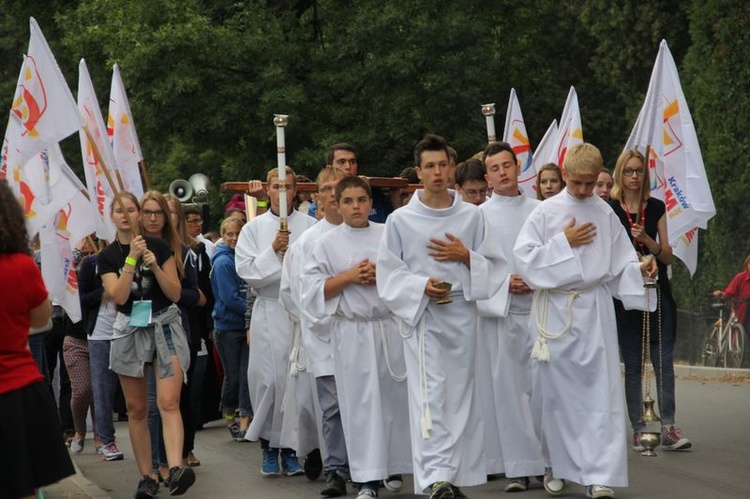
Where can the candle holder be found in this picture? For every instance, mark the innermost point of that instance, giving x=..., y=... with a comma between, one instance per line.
x=488, y=110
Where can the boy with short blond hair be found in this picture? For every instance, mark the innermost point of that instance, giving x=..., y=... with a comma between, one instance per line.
x=575, y=254
x=258, y=256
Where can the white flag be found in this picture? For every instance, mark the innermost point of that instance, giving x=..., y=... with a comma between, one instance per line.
x=58, y=269
x=122, y=136
x=543, y=151
x=570, y=130
x=43, y=107
x=676, y=169
x=47, y=184
x=100, y=191
x=515, y=135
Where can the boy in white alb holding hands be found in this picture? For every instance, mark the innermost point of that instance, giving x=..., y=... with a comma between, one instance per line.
x=339, y=281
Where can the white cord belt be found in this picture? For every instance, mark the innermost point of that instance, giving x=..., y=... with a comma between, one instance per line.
x=425, y=422
x=540, y=351
x=295, y=365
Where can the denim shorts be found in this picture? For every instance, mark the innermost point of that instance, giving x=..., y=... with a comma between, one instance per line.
x=168, y=338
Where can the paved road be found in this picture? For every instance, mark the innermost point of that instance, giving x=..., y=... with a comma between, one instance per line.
x=713, y=414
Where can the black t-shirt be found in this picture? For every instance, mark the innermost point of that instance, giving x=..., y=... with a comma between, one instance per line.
x=655, y=209
x=144, y=286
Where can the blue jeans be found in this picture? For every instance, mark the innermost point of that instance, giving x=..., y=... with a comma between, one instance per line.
x=158, y=452
x=103, y=384
x=234, y=353
x=630, y=332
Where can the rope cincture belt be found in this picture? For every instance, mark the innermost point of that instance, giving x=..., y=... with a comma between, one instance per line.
x=540, y=352
x=425, y=421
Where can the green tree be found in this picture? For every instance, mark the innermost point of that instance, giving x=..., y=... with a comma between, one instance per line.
x=717, y=84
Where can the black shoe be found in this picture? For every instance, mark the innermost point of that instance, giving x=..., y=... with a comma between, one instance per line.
x=313, y=465
x=147, y=488
x=180, y=479
x=458, y=493
x=335, y=486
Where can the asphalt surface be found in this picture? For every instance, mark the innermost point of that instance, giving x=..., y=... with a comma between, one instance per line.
x=712, y=413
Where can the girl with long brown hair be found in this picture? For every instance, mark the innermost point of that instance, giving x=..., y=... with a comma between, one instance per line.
x=141, y=275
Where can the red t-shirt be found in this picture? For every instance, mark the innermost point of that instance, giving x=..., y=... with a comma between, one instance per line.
x=23, y=290
x=739, y=289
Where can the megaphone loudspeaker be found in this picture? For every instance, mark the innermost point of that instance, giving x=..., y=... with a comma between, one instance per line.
x=181, y=189
x=199, y=183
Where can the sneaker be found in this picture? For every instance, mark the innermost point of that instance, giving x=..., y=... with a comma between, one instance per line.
x=637, y=442
x=519, y=484
x=672, y=439
x=394, y=483
x=241, y=436
x=76, y=446
x=442, y=490
x=553, y=486
x=335, y=486
x=313, y=465
x=68, y=436
x=110, y=452
x=192, y=461
x=270, y=466
x=234, y=430
x=290, y=464
x=367, y=492
x=147, y=488
x=598, y=491
x=180, y=479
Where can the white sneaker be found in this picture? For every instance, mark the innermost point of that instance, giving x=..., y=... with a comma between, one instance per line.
x=76, y=446
x=366, y=493
x=553, y=486
x=394, y=483
x=598, y=492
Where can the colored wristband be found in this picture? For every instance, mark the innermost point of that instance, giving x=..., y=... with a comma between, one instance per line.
x=262, y=204
x=131, y=261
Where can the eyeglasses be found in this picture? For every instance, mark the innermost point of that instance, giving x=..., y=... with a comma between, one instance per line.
x=326, y=188
x=632, y=172
x=195, y=221
x=475, y=192
x=153, y=213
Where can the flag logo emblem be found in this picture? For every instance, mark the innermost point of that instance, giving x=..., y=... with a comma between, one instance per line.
x=30, y=102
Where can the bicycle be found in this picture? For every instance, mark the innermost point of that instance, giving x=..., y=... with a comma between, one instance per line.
x=725, y=343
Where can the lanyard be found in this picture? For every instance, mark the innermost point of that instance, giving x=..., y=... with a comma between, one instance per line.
x=639, y=244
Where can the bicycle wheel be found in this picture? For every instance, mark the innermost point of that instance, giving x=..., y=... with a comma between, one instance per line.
x=736, y=346
x=711, y=349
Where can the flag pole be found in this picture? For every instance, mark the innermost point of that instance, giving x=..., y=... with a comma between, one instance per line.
x=639, y=214
x=108, y=175
x=119, y=180
x=142, y=164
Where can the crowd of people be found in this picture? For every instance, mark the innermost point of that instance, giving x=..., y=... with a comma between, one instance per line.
x=457, y=332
